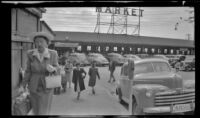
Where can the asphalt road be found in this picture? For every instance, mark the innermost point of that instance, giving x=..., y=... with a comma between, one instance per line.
x=104, y=102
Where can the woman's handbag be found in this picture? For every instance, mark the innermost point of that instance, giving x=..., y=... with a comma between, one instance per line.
x=53, y=81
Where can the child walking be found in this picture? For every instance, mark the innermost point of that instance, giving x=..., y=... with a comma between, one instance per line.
x=93, y=72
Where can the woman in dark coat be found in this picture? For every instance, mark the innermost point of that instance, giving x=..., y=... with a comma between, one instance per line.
x=78, y=79
x=93, y=72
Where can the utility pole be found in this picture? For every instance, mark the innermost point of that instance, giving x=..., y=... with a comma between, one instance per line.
x=188, y=36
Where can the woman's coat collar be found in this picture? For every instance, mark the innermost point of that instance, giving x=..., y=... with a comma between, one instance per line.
x=45, y=54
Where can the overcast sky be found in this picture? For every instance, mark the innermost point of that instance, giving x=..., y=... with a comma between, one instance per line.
x=156, y=21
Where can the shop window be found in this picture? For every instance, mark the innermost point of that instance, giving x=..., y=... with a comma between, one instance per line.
x=165, y=51
x=99, y=48
x=153, y=50
x=177, y=51
x=115, y=48
x=188, y=52
x=107, y=48
x=159, y=51
x=122, y=48
x=146, y=50
x=79, y=48
x=172, y=51
x=88, y=48
x=139, y=49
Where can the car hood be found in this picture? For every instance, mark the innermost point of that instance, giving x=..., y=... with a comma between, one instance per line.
x=168, y=79
x=151, y=87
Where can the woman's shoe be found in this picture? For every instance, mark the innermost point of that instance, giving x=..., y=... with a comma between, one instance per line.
x=93, y=92
x=78, y=96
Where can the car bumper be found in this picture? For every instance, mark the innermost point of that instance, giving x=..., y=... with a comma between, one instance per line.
x=163, y=109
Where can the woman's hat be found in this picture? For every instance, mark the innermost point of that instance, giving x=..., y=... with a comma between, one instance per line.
x=47, y=36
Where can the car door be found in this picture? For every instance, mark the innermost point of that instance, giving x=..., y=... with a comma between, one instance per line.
x=125, y=84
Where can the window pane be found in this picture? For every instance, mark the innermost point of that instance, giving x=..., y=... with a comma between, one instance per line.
x=115, y=48
x=161, y=67
x=88, y=47
x=143, y=68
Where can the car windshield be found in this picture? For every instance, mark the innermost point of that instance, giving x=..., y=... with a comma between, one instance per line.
x=143, y=68
x=161, y=67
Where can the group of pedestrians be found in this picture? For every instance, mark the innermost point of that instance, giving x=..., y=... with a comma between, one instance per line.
x=42, y=62
x=78, y=75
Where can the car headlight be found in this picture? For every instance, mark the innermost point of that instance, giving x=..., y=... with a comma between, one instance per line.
x=149, y=93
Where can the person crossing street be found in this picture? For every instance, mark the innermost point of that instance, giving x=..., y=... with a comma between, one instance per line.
x=93, y=73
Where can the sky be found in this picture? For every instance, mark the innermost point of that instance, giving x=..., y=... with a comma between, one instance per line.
x=155, y=22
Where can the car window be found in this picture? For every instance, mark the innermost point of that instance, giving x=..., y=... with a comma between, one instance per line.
x=143, y=68
x=161, y=67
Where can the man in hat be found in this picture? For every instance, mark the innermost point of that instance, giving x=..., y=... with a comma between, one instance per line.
x=41, y=62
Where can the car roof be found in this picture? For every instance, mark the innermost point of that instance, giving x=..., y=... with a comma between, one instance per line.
x=114, y=54
x=146, y=60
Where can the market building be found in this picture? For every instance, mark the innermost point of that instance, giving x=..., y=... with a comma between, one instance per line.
x=124, y=44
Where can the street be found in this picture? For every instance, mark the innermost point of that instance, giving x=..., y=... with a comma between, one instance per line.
x=104, y=102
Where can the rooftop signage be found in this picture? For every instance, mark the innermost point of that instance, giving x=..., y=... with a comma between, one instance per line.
x=120, y=11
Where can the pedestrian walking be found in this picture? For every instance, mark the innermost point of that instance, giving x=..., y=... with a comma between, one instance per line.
x=78, y=77
x=111, y=68
x=67, y=78
x=40, y=63
x=93, y=73
x=178, y=65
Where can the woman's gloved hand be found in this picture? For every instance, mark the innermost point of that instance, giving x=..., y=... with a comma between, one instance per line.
x=50, y=68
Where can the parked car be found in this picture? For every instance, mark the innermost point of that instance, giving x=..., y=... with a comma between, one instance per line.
x=173, y=59
x=142, y=56
x=98, y=58
x=161, y=57
x=188, y=63
x=118, y=58
x=155, y=89
x=131, y=57
x=78, y=57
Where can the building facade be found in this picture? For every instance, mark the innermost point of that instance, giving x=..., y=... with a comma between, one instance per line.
x=24, y=21
x=126, y=44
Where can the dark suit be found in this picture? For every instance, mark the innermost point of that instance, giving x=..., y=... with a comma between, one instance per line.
x=77, y=76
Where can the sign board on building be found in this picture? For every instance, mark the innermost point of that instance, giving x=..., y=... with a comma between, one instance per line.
x=58, y=44
x=120, y=10
x=183, y=49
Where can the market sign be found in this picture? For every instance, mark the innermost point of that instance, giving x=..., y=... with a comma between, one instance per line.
x=120, y=10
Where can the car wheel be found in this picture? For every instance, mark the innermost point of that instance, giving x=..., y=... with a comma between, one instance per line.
x=135, y=109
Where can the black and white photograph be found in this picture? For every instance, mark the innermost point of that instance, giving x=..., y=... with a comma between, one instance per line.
x=82, y=61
